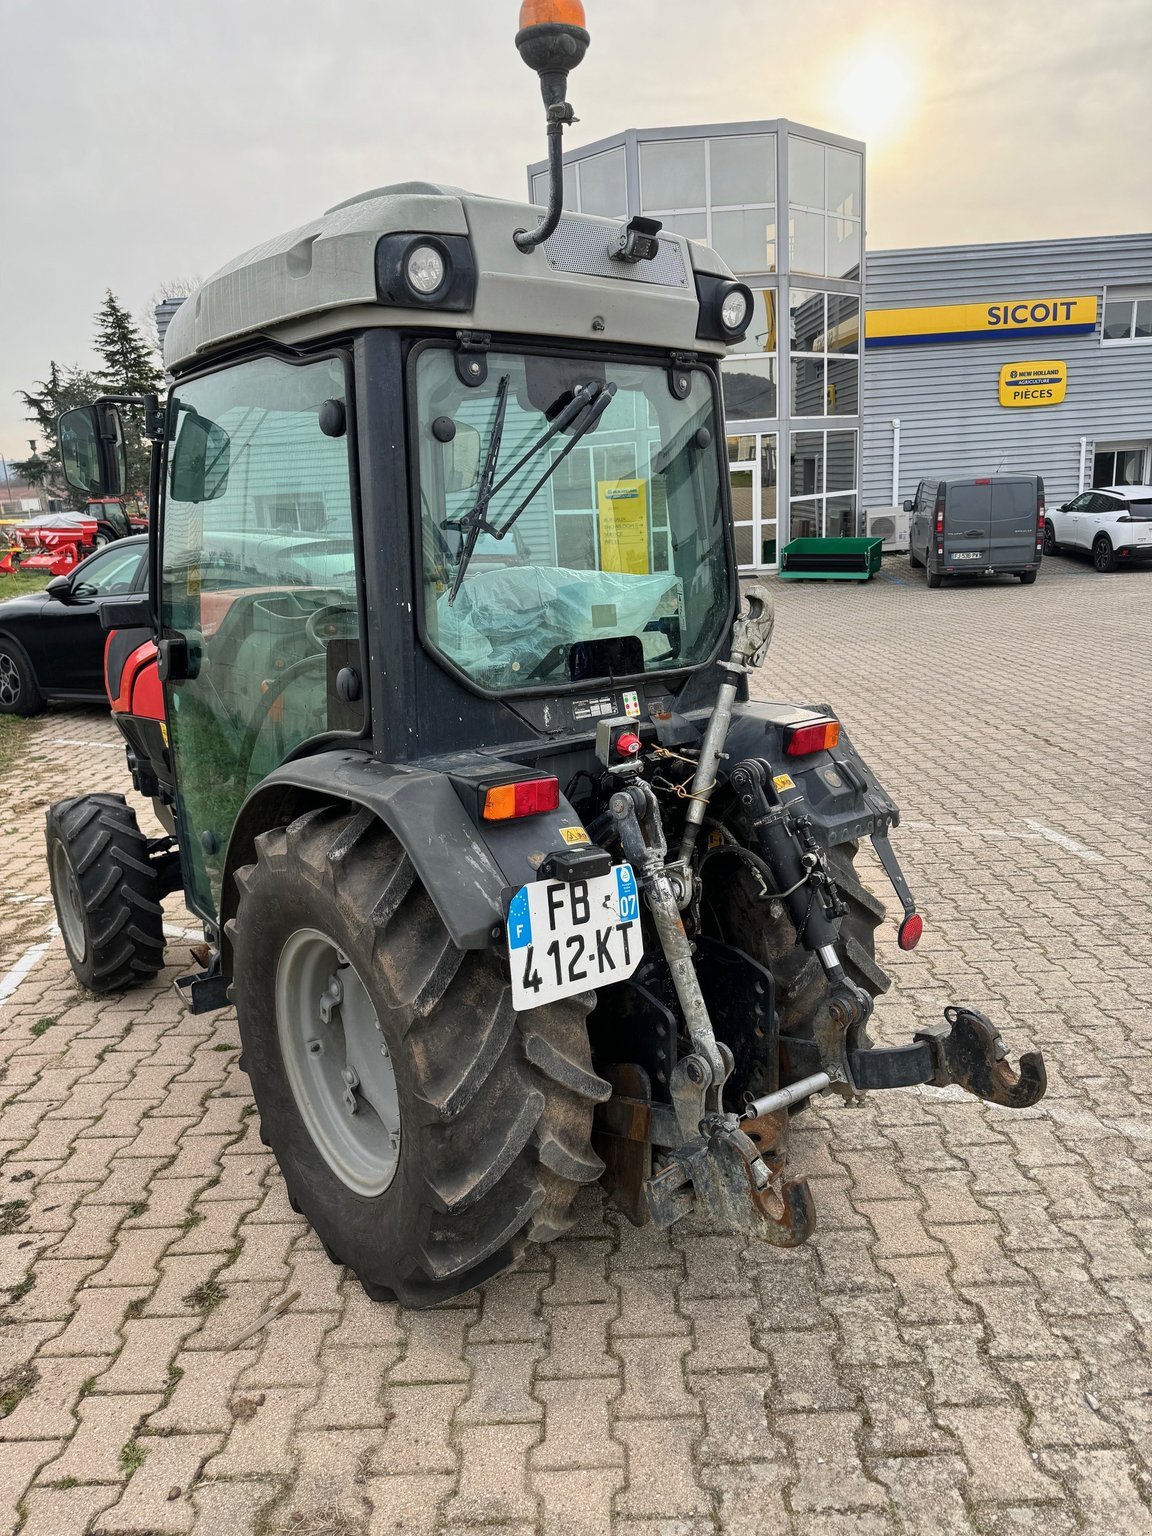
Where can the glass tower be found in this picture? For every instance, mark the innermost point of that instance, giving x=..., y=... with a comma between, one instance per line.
x=784, y=206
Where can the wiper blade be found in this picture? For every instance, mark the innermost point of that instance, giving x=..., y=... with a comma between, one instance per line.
x=473, y=523
x=587, y=401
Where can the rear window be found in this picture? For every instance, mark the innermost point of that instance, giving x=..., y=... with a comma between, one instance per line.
x=1015, y=496
x=969, y=500
x=1141, y=510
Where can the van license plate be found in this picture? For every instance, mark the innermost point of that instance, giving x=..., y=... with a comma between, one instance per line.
x=564, y=939
x=968, y=554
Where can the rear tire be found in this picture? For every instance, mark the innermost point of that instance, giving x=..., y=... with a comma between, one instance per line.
x=493, y=1114
x=1103, y=555
x=19, y=691
x=1026, y=578
x=106, y=891
x=934, y=578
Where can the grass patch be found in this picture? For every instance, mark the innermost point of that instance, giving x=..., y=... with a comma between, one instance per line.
x=175, y=1373
x=65, y=1482
x=18, y=583
x=135, y=1309
x=15, y=1387
x=132, y=1457
x=206, y=1297
x=137, y=1208
x=193, y=1219
x=41, y=1025
x=17, y=1292
x=223, y=1047
x=12, y=1214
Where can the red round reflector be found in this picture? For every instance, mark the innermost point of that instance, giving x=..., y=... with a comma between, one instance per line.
x=628, y=744
x=910, y=930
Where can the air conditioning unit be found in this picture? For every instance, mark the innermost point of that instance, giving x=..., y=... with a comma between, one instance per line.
x=889, y=524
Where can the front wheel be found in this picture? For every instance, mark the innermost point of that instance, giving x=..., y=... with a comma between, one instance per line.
x=1050, y=545
x=425, y=1128
x=913, y=559
x=19, y=691
x=1103, y=555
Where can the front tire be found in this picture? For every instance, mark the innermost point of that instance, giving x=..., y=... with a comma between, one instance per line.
x=1050, y=545
x=490, y=1125
x=19, y=691
x=1103, y=555
x=106, y=891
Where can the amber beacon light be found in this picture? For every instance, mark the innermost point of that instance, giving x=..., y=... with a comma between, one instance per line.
x=552, y=40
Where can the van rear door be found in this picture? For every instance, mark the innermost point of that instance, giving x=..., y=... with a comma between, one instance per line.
x=1013, y=531
x=967, y=524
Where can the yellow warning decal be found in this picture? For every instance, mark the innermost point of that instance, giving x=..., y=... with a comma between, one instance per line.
x=783, y=782
x=164, y=732
x=715, y=840
x=574, y=835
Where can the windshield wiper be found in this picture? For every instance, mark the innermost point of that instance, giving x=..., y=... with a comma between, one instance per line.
x=589, y=401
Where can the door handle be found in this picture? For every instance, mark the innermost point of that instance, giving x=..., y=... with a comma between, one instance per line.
x=973, y=533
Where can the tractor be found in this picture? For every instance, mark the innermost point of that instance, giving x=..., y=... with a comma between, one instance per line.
x=441, y=694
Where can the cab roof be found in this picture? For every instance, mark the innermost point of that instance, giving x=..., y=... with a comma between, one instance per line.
x=320, y=279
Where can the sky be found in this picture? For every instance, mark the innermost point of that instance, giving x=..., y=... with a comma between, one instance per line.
x=142, y=142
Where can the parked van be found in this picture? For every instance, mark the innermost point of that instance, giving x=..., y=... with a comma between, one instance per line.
x=992, y=526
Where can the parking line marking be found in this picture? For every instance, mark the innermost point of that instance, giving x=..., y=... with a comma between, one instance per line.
x=1089, y=855
x=12, y=978
x=1039, y=833
x=71, y=741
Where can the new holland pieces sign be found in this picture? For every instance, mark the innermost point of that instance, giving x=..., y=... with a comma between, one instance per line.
x=981, y=322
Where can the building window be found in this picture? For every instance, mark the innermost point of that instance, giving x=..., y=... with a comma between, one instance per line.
x=749, y=372
x=597, y=185
x=1127, y=314
x=1119, y=466
x=822, y=485
x=722, y=191
x=824, y=348
x=825, y=209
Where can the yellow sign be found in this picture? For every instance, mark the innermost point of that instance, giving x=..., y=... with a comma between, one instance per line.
x=623, y=526
x=574, y=835
x=1023, y=384
x=783, y=781
x=980, y=322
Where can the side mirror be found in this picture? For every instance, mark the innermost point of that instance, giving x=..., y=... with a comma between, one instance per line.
x=1063, y=507
x=909, y=504
x=200, y=460
x=59, y=589
x=91, y=439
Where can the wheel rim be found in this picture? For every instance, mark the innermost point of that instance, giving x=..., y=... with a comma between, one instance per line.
x=69, y=903
x=1102, y=553
x=10, y=684
x=1049, y=541
x=338, y=1064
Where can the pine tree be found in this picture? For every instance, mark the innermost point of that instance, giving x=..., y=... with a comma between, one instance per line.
x=130, y=368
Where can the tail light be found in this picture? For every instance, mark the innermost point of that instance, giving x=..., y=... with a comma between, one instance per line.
x=813, y=736
x=526, y=797
x=910, y=930
x=940, y=520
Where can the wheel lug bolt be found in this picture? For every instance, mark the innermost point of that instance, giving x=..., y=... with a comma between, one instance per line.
x=315, y=1047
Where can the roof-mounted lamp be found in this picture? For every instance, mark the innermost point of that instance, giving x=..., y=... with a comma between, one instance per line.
x=552, y=40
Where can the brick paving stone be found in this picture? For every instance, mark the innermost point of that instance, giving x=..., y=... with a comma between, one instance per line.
x=200, y=1401
x=576, y=1426
x=46, y=1412
x=330, y=1478
x=233, y=1508
x=492, y=1482
x=848, y=1262
x=830, y=1476
x=926, y=1492
x=351, y=1389
x=150, y=1344
x=106, y=1424
x=661, y=1481
x=418, y=1421
x=579, y=1274
x=510, y=1311
x=290, y=1351
x=407, y=1505
x=806, y=1373
x=501, y=1385
x=576, y=1503
x=433, y=1346
x=868, y=1332
x=735, y=1418
x=145, y=1507
x=66, y=1511
x=95, y=1325
x=1000, y=1468
x=20, y=1461
x=578, y=1342
x=898, y=1418
x=647, y=1305
x=750, y=1498
x=261, y=1440
x=654, y=1379
x=722, y=1334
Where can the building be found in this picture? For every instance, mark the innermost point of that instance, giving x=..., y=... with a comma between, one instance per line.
x=1033, y=356
x=784, y=205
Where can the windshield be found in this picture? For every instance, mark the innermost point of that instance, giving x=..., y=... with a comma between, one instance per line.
x=556, y=555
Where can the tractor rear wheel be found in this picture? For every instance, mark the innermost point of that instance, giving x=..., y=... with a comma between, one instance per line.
x=425, y=1128
x=106, y=891
x=736, y=910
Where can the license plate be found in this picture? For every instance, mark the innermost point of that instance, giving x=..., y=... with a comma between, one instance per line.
x=968, y=554
x=568, y=938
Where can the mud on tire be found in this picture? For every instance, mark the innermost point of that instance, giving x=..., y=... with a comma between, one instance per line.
x=106, y=892
x=495, y=1107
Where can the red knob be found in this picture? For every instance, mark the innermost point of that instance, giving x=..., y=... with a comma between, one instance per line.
x=628, y=744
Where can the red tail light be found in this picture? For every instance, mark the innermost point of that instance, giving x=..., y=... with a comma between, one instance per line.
x=815, y=736
x=527, y=797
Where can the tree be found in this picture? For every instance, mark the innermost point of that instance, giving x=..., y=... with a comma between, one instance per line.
x=130, y=368
x=63, y=389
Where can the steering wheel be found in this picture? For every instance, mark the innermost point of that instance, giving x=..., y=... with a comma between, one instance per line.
x=325, y=624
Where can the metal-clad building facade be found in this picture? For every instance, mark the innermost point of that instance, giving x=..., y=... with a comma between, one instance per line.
x=933, y=406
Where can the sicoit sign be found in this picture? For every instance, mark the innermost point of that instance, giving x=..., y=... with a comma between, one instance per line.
x=929, y=324
x=1028, y=384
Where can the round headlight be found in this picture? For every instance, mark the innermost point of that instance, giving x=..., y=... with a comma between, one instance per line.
x=735, y=311
x=426, y=269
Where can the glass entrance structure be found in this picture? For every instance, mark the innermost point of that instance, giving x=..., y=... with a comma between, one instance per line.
x=784, y=205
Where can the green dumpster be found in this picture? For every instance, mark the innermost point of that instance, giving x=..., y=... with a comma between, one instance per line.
x=830, y=559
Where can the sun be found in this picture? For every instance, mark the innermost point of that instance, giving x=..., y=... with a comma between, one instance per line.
x=874, y=90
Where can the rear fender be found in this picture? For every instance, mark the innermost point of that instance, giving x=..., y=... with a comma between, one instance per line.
x=469, y=872
x=842, y=797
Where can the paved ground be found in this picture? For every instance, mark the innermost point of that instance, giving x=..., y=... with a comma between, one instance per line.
x=962, y=1348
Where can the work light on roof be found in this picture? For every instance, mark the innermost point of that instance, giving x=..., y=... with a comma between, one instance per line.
x=426, y=270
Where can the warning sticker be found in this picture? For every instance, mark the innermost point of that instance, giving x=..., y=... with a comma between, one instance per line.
x=632, y=703
x=574, y=835
x=593, y=709
x=783, y=782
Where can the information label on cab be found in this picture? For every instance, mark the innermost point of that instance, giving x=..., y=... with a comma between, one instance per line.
x=565, y=938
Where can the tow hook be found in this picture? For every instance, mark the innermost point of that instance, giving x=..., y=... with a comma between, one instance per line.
x=971, y=1054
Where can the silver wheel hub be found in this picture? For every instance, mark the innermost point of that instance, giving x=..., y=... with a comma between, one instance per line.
x=338, y=1063
x=9, y=680
x=69, y=903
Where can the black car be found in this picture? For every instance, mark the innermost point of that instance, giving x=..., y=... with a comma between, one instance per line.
x=51, y=643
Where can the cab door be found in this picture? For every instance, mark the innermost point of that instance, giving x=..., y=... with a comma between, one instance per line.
x=967, y=525
x=1012, y=530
